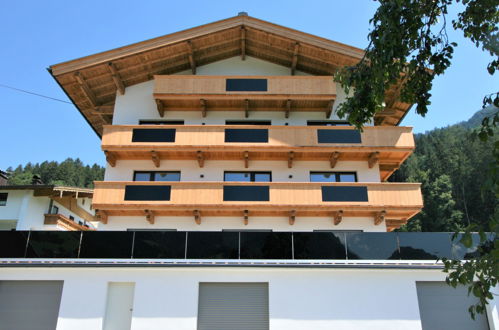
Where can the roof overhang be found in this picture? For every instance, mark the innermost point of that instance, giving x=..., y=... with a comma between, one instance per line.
x=92, y=82
x=51, y=190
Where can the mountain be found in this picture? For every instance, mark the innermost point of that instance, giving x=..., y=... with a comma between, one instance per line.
x=476, y=119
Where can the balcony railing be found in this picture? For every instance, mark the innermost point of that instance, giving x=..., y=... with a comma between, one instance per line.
x=398, y=201
x=389, y=146
x=63, y=223
x=234, y=245
x=244, y=93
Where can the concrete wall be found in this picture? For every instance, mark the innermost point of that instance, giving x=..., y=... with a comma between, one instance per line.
x=167, y=298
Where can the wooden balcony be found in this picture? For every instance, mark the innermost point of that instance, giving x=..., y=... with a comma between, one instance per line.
x=244, y=93
x=395, y=202
x=64, y=223
x=388, y=145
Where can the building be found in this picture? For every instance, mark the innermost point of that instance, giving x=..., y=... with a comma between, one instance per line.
x=45, y=207
x=235, y=198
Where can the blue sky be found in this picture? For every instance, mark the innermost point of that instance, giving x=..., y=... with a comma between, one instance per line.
x=37, y=34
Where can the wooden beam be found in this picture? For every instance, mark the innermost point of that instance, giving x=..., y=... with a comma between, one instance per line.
x=291, y=156
x=150, y=216
x=104, y=109
x=294, y=61
x=155, y=158
x=200, y=158
x=101, y=216
x=191, y=57
x=116, y=78
x=333, y=159
x=243, y=43
x=338, y=216
x=246, y=159
x=86, y=89
x=160, y=107
x=197, y=217
x=203, y=107
x=379, y=217
x=246, y=108
x=288, y=108
x=373, y=159
x=292, y=217
x=245, y=215
x=330, y=109
x=110, y=158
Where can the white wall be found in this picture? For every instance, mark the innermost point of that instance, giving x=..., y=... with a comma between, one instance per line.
x=13, y=207
x=167, y=298
x=214, y=170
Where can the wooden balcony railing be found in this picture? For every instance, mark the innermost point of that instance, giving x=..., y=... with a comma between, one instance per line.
x=64, y=223
x=392, y=201
x=244, y=93
x=388, y=145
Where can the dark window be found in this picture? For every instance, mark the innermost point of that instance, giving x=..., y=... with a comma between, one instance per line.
x=248, y=176
x=161, y=122
x=71, y=217
x=246, y=85
x=248, y=122
x=344, y=194
x=247, y=135
x=153, y=135
x=338, y=136
x=246, y=193
x=333, y=177
x=55, y=210
x=3, y=199
x=147, y=193
x=327, y=123
x=156, y=176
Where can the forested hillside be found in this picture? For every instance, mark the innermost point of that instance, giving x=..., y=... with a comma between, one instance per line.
x=71, y=172
x=453, y=168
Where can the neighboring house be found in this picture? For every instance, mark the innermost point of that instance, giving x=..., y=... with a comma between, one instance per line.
x=235, y=198
x=45, y=207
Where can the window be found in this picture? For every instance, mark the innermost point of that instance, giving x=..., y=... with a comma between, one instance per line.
x=248, y=176
x=333, y=177
x=156, y=176
x=3, y=199
x=248, y=122
x=328, y=123
x=161, y=122
x=54, y=210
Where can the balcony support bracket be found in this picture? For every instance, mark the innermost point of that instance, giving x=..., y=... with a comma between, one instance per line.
x=333, y=159
x=338, y=216
x=246, y=108
x=379, y=218
x=102, y=216
x=155, y=158
x=245, y=215
x=373, y=159
x=150, y=216
x=292, y=217
x=246, y=159
x=110, y=158
x=200, y=158
x=291, y=156
x=197, y=217
x=329, y=109
x=160, y=107
x=203, y=107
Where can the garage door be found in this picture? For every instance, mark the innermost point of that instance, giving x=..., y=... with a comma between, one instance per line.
x=32, y=305
x=443, y=307
x=233, y=306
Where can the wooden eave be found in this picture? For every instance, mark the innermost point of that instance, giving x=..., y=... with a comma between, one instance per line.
x=92, y=82
x=51, y=190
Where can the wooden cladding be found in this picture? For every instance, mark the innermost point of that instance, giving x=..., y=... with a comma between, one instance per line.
x=400, y=201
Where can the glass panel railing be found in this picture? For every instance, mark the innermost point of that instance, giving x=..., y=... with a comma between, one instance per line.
x=53, y=244
x=430, y=246
x=236, y=245
x=246, y=194
x=212, y=245
x=13, y=244
x=159, y=245
x=247, y=135
x=106, y=244
x=322, y=245
x=266, y=245
x=245, y=85
x=344, y=194
x=372, y=246
x=147, y=193
x=153, y=135
x=459, y=251
x=338, y=136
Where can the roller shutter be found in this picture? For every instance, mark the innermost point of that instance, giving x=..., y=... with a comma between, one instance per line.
x=233, y=306
x=443, y=307
x=32, y=305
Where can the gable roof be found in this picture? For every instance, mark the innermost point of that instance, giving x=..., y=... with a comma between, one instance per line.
x=92, y=82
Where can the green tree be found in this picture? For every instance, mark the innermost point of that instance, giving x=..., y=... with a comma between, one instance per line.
x=409, y=42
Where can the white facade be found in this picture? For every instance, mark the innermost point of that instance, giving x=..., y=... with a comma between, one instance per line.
x=24, y=211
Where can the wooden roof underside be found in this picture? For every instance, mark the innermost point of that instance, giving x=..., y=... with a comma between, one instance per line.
x=92, y=82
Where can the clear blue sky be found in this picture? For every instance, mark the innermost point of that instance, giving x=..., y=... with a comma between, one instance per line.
x=36, y=34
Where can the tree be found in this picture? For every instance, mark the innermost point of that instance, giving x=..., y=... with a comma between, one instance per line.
x=409, y=43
